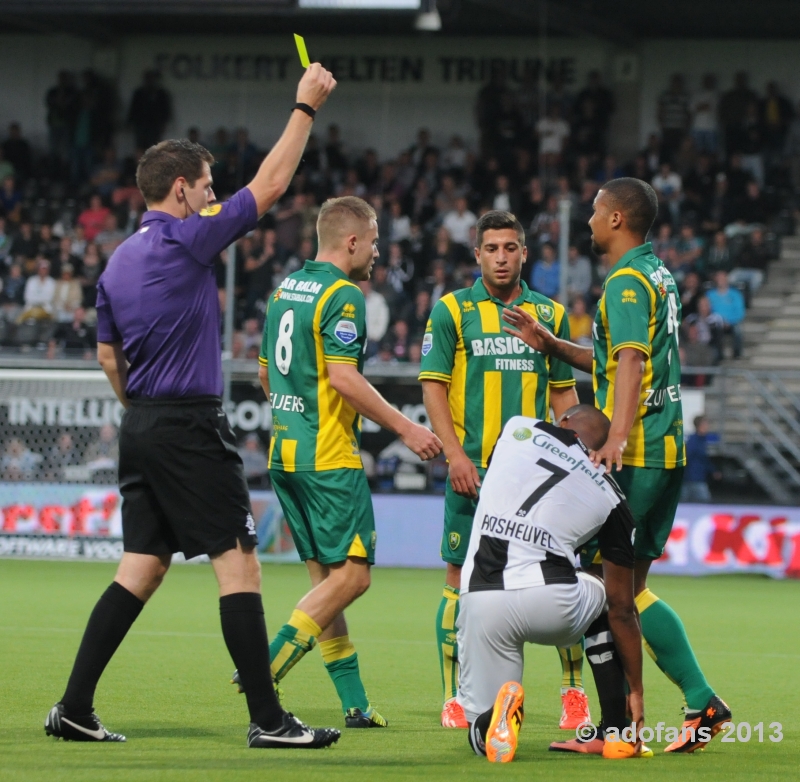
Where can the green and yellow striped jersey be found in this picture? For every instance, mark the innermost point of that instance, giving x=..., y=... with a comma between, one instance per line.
x=640, y=308
x=492, y=376
x=316, y=317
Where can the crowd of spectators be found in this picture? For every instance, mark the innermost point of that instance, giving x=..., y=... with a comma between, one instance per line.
x=725, y=166
x=68, y=457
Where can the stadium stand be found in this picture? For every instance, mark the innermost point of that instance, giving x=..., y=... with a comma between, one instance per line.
x=728, y=205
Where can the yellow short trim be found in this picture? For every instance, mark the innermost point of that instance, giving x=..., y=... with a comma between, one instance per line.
x=561, y=383
x=289, y=455
x=357, y=548
x=263, y=361
x=336, y=649
x=304, y=623
x=645, y=599
x=434, y=376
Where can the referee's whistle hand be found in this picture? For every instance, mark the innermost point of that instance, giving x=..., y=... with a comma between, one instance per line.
x=422, y=441
x=315, y=86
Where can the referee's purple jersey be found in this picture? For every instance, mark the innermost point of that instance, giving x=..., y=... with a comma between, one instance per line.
x=158, y=297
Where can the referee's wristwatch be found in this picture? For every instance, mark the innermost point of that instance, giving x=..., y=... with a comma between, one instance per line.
x=306, y=109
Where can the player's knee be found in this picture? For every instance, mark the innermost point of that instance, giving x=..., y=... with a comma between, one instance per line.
x=360, y=581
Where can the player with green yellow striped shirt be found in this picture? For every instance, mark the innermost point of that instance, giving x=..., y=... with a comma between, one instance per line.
x=311, y=360
x=636, y=367
x=475, y=378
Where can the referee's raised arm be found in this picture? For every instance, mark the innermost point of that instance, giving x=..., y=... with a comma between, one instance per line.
x=277, y=170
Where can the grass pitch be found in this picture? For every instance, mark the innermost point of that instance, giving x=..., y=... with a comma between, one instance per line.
x=167, y=688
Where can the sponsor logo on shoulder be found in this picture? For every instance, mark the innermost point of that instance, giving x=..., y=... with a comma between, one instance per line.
x=211, y=211
x=346, y=332
x=629, y=296
x=523, y=433
x=545, y=311
x=468, y=306
x=427, y=344
x=349, y=310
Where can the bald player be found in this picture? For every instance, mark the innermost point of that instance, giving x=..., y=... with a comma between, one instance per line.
x=311, y=362
x=636, y=368
x=541, y=499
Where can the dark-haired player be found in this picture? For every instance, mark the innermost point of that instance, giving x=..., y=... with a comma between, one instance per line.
x=181, y=479
x=474, y=378
x=636, y=368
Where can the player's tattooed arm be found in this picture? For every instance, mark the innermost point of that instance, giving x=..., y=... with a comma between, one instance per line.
x=463, y=473
x=523, y=325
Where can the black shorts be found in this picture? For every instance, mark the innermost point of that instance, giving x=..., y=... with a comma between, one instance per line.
x=181, y=479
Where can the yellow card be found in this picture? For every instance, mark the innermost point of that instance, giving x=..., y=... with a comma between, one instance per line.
x=301, y=50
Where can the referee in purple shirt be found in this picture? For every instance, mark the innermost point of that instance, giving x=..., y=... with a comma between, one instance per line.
x=181, y=479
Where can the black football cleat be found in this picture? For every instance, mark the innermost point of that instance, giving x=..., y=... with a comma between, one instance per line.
x=293, y=734
x=356, y=718
x=699, y=728
x=87, y=727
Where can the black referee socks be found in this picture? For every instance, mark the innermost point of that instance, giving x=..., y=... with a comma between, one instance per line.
x=245, y=634
x=112, y=617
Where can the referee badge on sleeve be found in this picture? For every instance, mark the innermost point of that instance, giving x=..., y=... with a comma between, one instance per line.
x=454, y=540
x=210, y=211
x=427, y=344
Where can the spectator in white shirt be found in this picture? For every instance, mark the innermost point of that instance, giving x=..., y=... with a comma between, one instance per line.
x=459, y=221
x=378, y=316
x=704, y=115
x=39, y=292
x=67, y=296
x=401, y=224
x=553, y=131
x=669, y=188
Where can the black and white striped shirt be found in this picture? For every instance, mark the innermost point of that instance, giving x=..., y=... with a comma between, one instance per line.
x=541, y=500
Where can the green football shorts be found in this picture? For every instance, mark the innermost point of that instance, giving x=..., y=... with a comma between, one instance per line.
x=653, y=494
x=329, y=513
x=459, y=513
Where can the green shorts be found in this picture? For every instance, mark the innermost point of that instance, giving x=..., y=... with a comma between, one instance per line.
x=329, y=513
x=459, y=513
x=653, y=494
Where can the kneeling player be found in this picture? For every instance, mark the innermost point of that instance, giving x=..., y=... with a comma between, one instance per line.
x=541, y=499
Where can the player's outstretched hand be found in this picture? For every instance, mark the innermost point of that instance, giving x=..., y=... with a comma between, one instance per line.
x=529, y=330
x=315, y=86
x=610, y=454
x=422, y=441
x=464, y=476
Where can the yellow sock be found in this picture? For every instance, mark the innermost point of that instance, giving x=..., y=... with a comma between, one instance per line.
x=571, y=667
x=336, y=649
x=297, y=637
